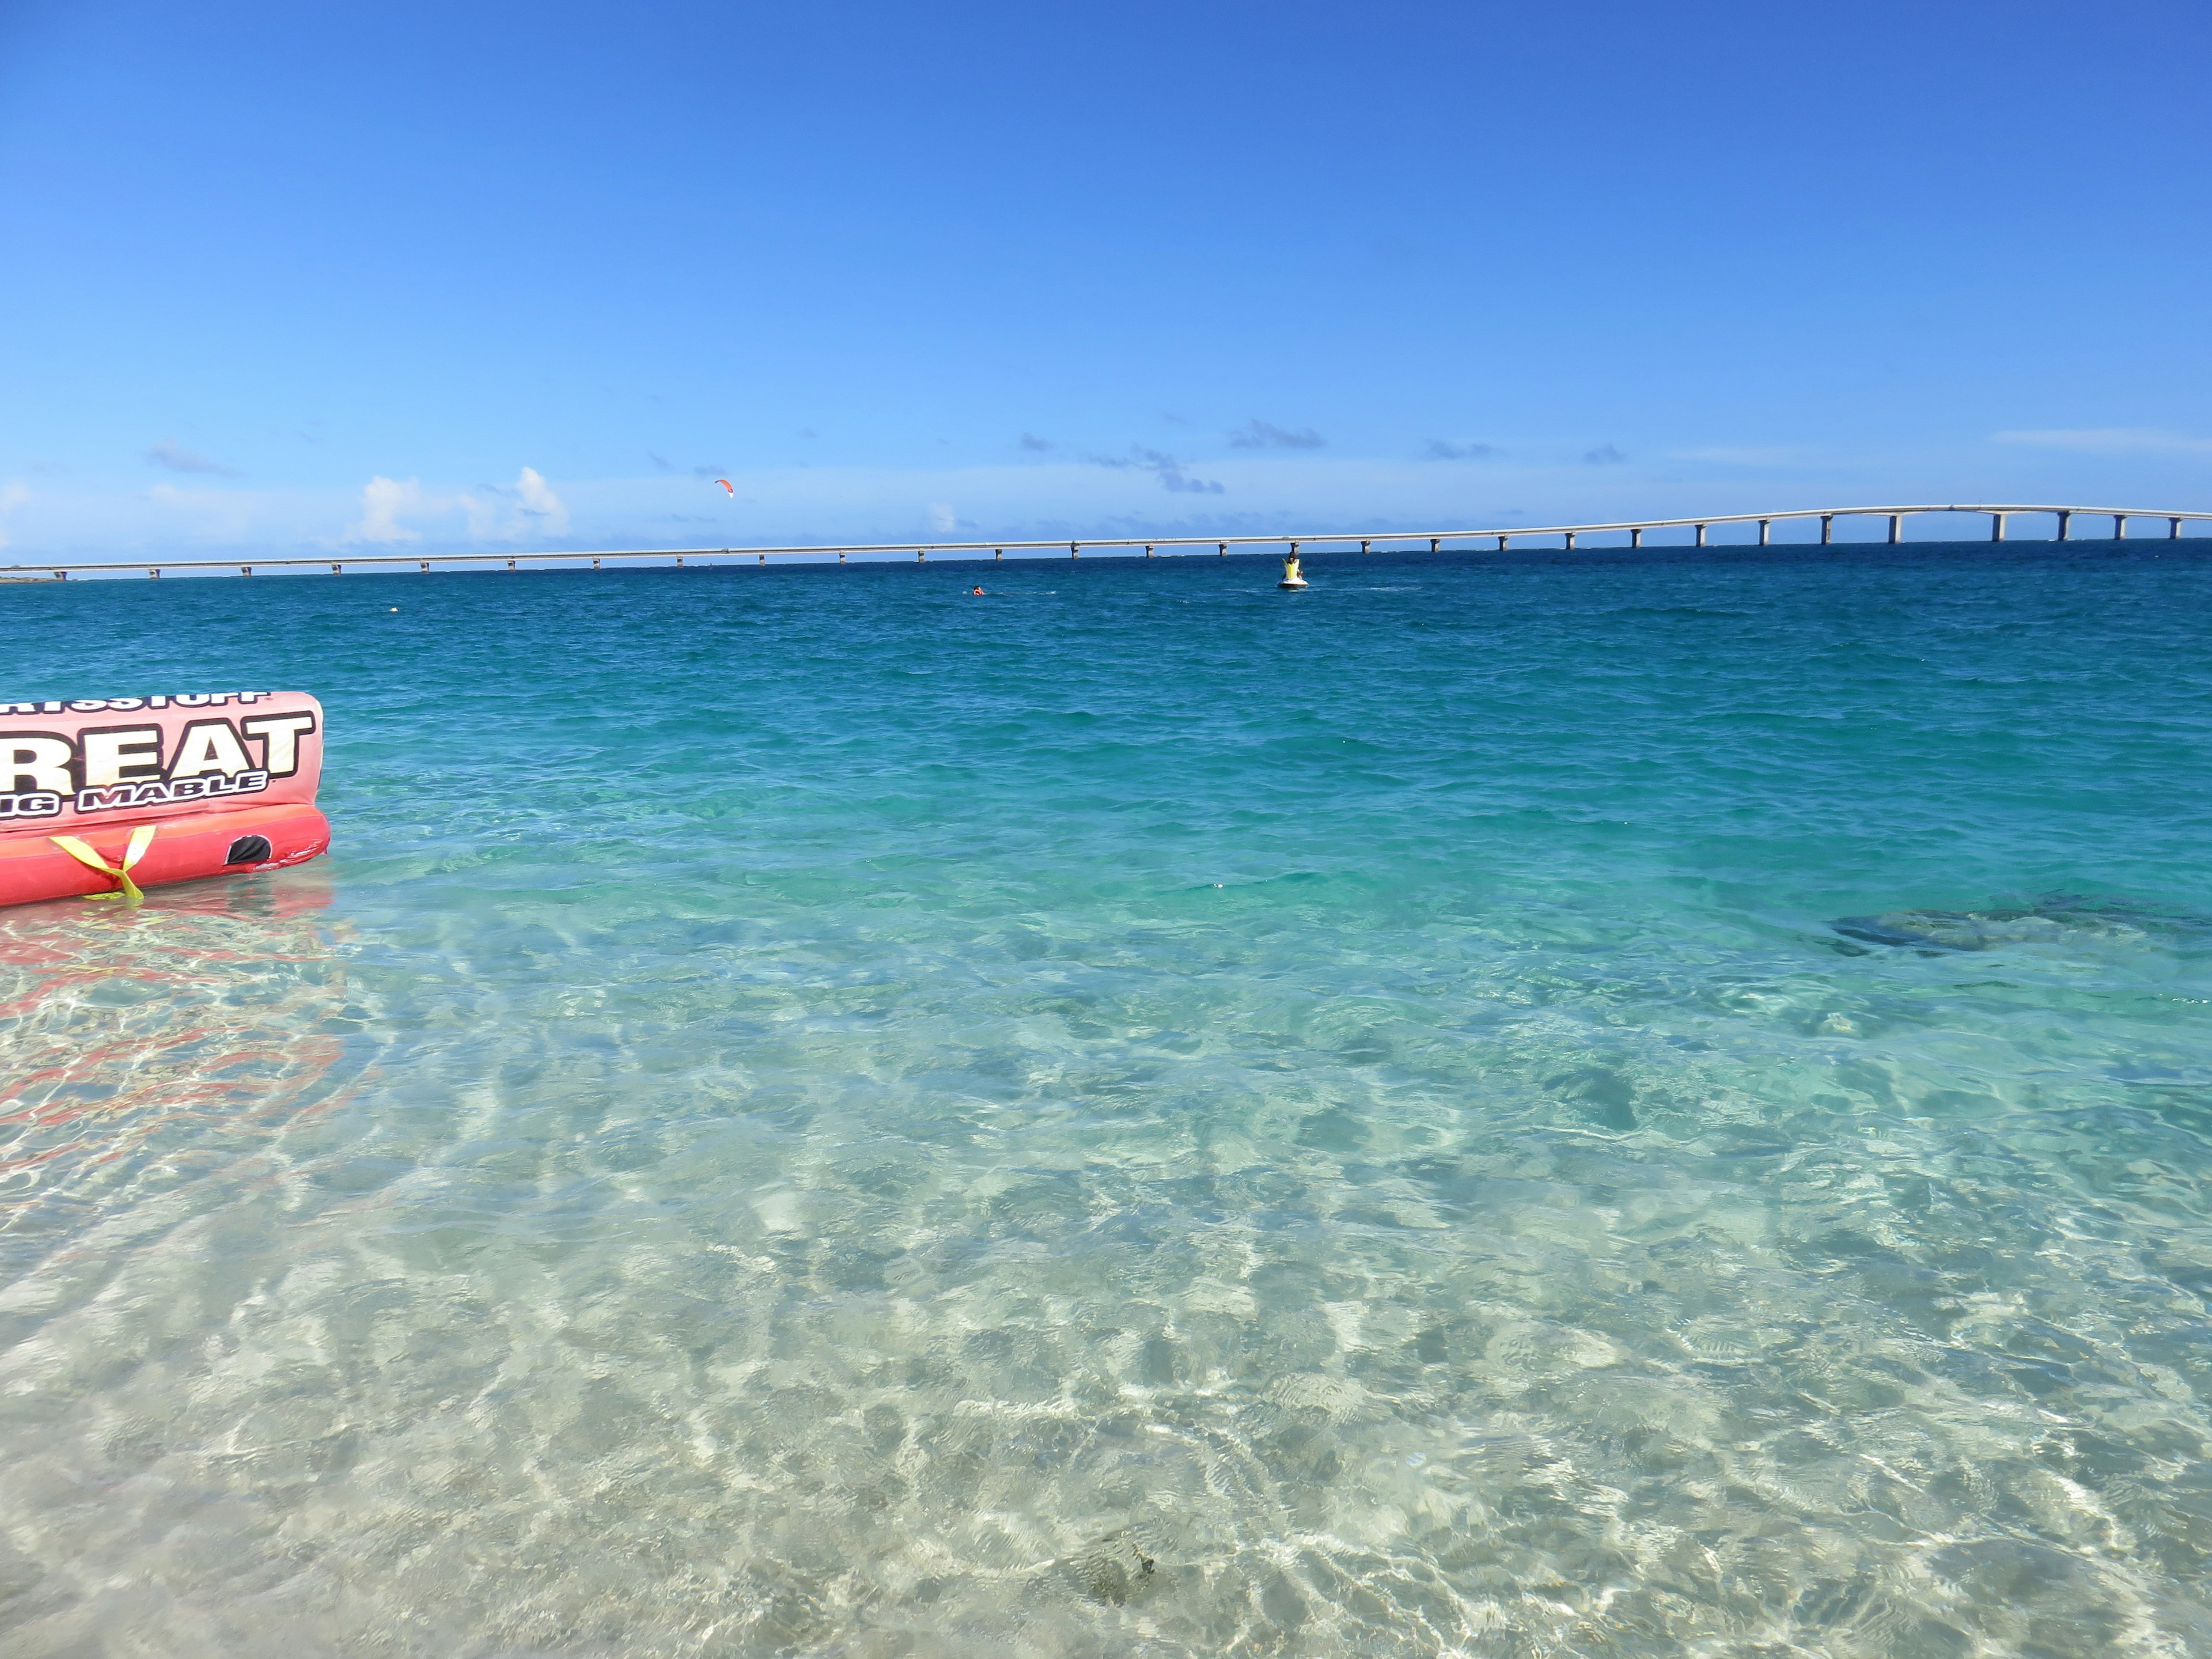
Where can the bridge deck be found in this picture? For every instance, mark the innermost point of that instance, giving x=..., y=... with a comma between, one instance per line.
x=1436, y=540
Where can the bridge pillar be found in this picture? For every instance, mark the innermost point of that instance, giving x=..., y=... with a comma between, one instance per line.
x=1073, y=551
x=2065, y=526
x=2174, y=529
x=841, y=556
x=763, y=558
x=1701, y=534
x=155, y=571
x=1367, y=546
x=998, y=552
x=1635, y=537
x=1996, y=526
x=2119, y=526
x=920, y=556
x=1827, y=528
x=1433, y=540
x=1148, y=550
x=1570, y=541
x=1502, y=541
x=1895, y=518
x=1224, y=550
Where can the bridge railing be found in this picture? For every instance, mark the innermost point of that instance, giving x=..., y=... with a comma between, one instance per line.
x=1999, y=513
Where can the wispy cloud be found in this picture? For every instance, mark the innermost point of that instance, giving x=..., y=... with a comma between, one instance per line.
x=2110, y=441
x=1163, y=467
x=661, y=461
x=1438, y=450
x=1726, y=455
x=481, y=513
x=205, y=514
x=1031, y=440
x=382, y=501
x=942, y=520
x=1603, y=455
x=1264, y=435
x=708, y=472
x=537, y=510
x=174, y=455
x=13, y=494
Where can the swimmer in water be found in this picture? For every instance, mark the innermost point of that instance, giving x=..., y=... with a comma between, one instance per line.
x=980, y=594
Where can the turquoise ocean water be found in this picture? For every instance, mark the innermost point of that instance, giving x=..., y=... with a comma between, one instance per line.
x=1568, y=1104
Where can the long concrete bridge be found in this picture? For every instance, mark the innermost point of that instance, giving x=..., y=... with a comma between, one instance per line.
x=1999, y=515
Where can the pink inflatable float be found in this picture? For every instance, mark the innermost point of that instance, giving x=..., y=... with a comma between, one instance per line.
x=105, y=796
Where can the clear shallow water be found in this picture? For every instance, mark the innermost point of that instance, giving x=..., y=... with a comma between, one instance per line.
x=1520, y=1107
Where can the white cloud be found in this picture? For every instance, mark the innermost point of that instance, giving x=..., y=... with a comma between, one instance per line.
x=942, y=520
x=540, y=503
x=382, y=501
x=2110, y=441
x=385, y=503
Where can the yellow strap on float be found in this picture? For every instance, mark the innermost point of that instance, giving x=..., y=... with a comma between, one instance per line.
x=141, y=839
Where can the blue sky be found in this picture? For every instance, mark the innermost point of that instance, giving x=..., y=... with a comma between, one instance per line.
x=462, y=275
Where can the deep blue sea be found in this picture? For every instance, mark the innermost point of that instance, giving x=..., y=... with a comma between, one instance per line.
x=1569, y=1104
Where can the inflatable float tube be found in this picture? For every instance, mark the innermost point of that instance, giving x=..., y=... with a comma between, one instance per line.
x=102, y=796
